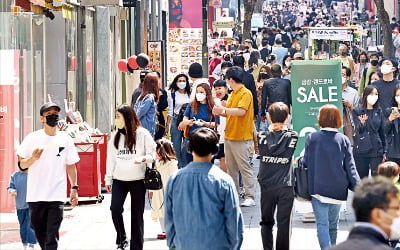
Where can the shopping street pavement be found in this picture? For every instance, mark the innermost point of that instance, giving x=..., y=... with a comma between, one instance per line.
x=89, y=226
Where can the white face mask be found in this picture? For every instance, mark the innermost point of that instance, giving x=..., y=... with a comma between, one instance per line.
x=372, y=99
x=288, y=64
x=395, y=229
x=200, y=97
x=181, y=85
x=344, y=80
x=397, y=98
x=224, y=71
x=386, y=69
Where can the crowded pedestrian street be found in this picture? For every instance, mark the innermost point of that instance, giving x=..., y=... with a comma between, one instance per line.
x=89, y=226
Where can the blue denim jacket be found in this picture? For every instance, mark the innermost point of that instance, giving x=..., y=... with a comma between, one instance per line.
x=202, y=209
x=146, y=110
x=18, y=183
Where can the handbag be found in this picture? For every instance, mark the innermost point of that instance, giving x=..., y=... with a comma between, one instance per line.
x=152, y=178
x=362, y=142
x=186, y=131
x=301, y=181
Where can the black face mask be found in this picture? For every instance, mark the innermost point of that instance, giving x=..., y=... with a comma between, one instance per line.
x=52, y=120
x=374, y=62
x=264, y=76
x=343, y=53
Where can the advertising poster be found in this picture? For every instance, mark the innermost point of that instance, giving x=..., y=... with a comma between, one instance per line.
x=185, y=14
x=314, y=84
x=184, y=48
x=155, y=53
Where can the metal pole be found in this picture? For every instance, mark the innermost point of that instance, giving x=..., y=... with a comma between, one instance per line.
x=205, y=47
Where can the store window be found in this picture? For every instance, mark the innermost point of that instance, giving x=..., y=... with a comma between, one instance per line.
x=71, y=47
x=89, y=71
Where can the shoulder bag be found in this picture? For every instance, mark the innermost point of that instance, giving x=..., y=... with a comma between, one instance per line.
x=301, y=181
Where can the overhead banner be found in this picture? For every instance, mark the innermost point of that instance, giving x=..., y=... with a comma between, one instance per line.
x=331, y=34
x=314, y=84
x=185, y=14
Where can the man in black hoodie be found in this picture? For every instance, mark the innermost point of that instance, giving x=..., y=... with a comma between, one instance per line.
x=275, y=176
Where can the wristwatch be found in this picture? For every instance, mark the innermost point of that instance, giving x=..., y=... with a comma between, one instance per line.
x=76, y=187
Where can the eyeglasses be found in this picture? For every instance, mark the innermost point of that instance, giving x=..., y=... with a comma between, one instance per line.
x=394, y=208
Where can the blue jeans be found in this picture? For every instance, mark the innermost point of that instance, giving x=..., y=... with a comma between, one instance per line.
x=327, y=219
x=261, y=125
x=176, y=138
x=26, y=232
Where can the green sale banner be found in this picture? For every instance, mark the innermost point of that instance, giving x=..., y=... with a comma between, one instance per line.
x=314, y=84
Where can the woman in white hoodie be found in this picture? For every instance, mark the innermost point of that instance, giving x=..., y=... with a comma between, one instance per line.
x=131, y=147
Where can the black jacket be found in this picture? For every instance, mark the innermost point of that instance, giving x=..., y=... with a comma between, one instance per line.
x=250, y=84
x=136, y=94
x=392, y=131
x=276, y=152
x=375, y=126
x=363, y=238
x=275, y=90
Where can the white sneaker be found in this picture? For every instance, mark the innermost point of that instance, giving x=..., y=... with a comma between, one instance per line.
x=248, y=203
x=30, y=247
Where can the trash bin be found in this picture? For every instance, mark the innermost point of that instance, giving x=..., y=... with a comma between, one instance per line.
x=88, y=169
x=103, y=140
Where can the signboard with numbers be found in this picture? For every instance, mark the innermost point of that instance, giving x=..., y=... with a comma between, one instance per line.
x=314, y=84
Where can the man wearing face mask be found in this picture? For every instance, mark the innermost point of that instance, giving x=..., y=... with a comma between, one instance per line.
x=49, y=155
x=371, y=67
x=345, y=59
x=377, y=210
x=387, y=84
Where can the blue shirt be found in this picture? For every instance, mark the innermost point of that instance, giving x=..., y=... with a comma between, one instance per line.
x=18, y=183
x=203, y=114
x=146, y=111
x=202, y=209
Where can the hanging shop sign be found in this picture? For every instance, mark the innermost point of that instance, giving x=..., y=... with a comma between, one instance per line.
x=156, y=55
x=314, y=84
x=129, y=3
x=331, y=34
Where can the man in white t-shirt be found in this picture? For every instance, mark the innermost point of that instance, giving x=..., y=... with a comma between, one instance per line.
x=48, y=154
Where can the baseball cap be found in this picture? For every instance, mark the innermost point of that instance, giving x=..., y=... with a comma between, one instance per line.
x=298, y=55
x=47, y=106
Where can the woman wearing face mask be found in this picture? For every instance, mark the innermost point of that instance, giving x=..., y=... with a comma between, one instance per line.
x=178, y=98
x=287, y=63
x=129, y=149
x=199, y=114
x=366, y=73
x=392, y=125
x=265, y=74
x=369, y=126
x=362, y=63
x=373, y=77
x=146, y=106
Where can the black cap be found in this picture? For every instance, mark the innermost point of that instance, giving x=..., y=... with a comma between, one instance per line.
x=47, y=106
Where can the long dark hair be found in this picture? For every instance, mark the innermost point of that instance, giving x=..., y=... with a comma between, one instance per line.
x=397, y=88
x=210, y=101
x=132, y=122
x=150, y=86
x=165, y=150
x=366, y=93
x=174, y=86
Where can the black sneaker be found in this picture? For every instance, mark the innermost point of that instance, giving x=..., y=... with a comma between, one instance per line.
x=123, y=245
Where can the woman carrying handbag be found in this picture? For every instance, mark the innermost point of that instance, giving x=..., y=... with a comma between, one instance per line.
x=198, y=114
x=130, y=148
x=369, y=135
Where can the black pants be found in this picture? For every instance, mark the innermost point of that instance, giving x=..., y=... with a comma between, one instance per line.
x=119, y=192
x=282, y=199
x=46, y=218
x=364, y=164
x=397, y=160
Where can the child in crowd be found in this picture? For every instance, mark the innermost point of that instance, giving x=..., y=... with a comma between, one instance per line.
x=17, y=188
x=167, y=165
